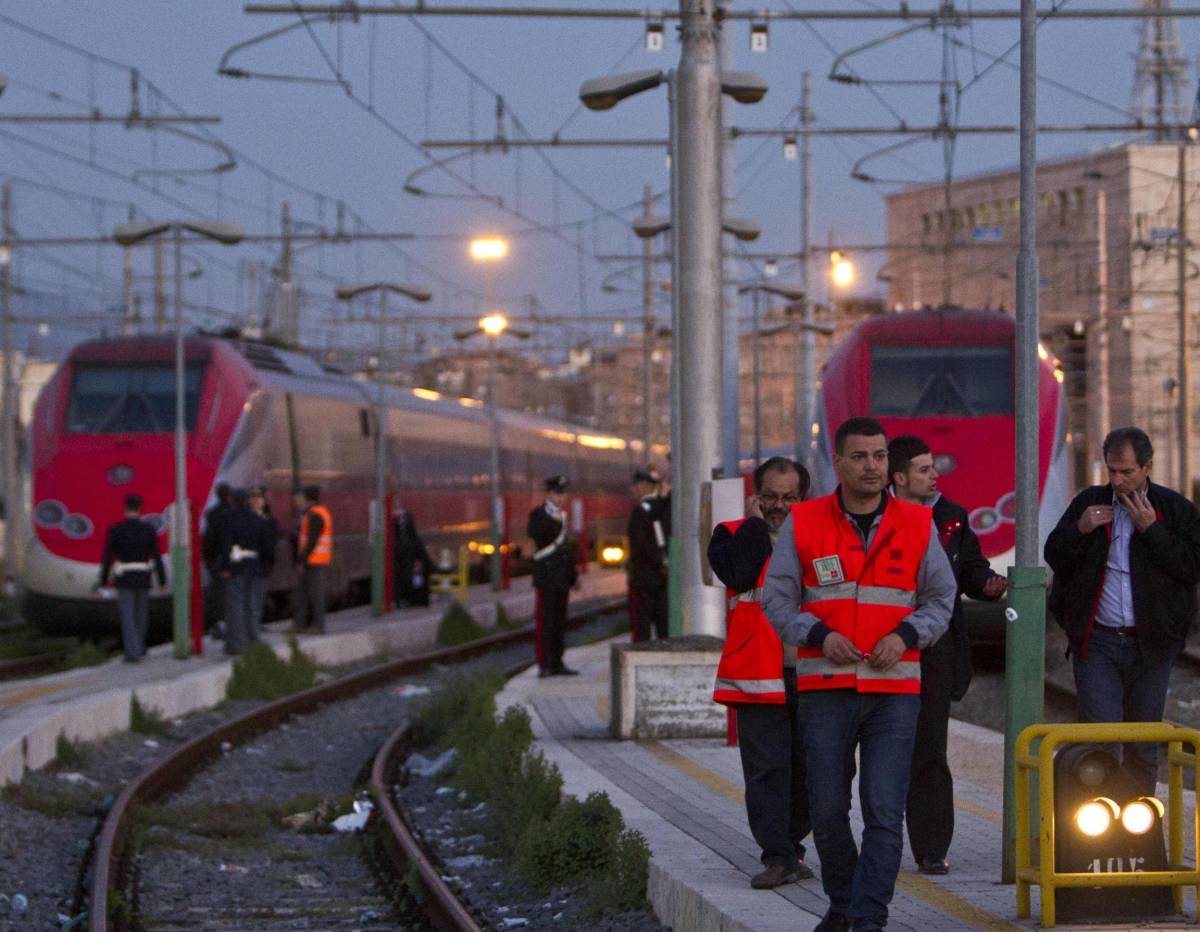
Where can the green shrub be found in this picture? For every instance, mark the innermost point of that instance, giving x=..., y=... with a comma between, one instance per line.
x=493, y=753
x=578, y=839
x=70, y=755
x=84, y=654
x=621, y=887
x=463, y=705
x=503, y=622
x=259, y=674
x=144, y=720
x=531, y=797
x=458, y=627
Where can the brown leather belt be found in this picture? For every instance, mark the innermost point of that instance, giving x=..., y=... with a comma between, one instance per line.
x=1120, y=632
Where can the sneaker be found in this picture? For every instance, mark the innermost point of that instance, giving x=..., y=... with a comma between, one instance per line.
x=934, y=866
x=833, y=921
x=775, y=875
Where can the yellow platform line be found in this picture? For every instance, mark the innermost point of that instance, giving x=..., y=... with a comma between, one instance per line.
x=914, y=884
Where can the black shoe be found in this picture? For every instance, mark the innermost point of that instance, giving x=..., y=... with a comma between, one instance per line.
x=133, y=659
x=544, y=672
x=803, y=871
x=833, y=921
x=564, y=671
x=934, y=866
x=775, y=875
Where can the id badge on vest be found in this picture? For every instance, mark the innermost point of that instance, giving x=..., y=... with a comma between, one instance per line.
x=829, y=570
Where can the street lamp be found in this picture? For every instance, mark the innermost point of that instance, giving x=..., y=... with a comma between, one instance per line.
x=841, y=270
x=493, y=326
x=788, y=294
x=8, y=430
x=489, y=248
x=378, y=506
x=696, y=433
x=227, y=234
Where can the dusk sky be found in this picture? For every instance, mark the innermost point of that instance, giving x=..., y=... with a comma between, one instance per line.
x=315, y=145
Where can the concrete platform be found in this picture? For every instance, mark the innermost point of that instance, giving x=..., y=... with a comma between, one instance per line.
x=685, y=796
x=92, y=702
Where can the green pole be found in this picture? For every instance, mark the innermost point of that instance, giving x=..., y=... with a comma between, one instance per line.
x=1024, y=673
x=377, y=559
x=674, y=587
x=181, y=580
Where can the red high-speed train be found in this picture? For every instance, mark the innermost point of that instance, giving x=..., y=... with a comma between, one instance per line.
x=103, y=427
x=947, y=376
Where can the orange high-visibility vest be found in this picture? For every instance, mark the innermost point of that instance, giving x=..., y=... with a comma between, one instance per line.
x=751, y=667
x=860, y=595
x=322, y=554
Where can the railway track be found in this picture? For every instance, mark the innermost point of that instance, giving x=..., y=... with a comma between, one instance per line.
x=126, y=891
x=19, y=667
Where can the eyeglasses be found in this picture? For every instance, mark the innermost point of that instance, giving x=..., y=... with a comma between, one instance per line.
x=769, y=498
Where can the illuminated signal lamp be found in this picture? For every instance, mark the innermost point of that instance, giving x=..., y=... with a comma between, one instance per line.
x=1104, y=824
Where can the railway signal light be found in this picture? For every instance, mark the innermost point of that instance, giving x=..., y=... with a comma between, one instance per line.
x=654, y=35
x=1104, y=825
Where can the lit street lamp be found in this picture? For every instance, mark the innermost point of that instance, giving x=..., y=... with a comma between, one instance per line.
x=494, y=326
x=227, y=234
x=841, y=270
x=378, y=506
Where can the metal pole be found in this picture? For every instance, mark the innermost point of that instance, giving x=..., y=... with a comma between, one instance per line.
x=731, y=405
x=495, y=470
x=698, y=246
x=8, y=433
x=674, y=547
x=806, y=373
x=378, y=518
x=1025, y=642
x=757, y=349
x=1184, y=412
x=181, y=560
x=647, y=325
x=284, y=327
x=160, y=286
x=130, y=316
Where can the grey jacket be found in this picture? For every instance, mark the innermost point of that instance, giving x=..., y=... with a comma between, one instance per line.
x=783, y=593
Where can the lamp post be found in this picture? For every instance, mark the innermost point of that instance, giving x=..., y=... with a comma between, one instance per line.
x=8, y=439
x=378, y=521
x=494, y=326
x=227, y=234
x=788, y=294
x=694, y=116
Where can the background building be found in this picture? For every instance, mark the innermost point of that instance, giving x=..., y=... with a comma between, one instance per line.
x=1109, y=262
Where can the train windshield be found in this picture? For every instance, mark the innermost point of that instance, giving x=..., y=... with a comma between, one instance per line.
x=133, y=399
x=965, y=381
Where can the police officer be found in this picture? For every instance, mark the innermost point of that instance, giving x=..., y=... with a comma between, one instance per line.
x=554, y=573
x=210, y=549
x=758, y=680
x=945, y=664
x=243, y=541
x=648, y=558
x=314, y=554
x=130, y=553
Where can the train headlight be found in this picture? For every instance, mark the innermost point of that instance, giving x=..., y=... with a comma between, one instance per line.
x=1096, y=817
x=612, y=555
x=945, y=464
x=49, y=514
x=119, y=475
x=1139, y=816
x=984, y=520
x=77, y=527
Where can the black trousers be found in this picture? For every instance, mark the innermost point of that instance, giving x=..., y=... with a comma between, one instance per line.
x=930, y=807
x=551, y=626
x=775, y=774
x=309, y=598
x=648, y=611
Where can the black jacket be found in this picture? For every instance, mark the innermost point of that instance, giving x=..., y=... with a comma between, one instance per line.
x=131, y=541
x=1164, y=567
x=557, y=569
x=952, y=653
x=647, y=566
x=242, y=528
x=737, y=558
x=270, y=539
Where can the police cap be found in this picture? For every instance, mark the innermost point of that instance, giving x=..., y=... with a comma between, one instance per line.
x=649, y=474
x=557, y=484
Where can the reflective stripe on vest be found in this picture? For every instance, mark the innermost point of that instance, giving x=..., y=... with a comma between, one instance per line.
x=322, y=553
x=876, y=591
x=751, y=666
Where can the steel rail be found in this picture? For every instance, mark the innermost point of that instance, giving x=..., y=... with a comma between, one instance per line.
x=111, y=844
x=18, y=667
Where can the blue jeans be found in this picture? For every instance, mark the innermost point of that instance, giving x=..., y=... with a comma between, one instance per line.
x=882, y=726
x=1117, y=684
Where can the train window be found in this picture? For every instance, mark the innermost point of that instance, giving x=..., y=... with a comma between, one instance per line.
x=109, y=399
x=965, y=381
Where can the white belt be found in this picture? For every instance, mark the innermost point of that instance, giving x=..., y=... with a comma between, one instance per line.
x=752, y=595
x=120, y=568
x=552, y=546
x=237, y=555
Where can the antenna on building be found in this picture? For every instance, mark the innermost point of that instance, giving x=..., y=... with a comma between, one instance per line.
x=1160, y=84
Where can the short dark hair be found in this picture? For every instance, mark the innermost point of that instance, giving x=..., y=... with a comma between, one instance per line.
x=312, y=493
x=857, y=427
x=902, y=451
x=223, y=492
x=1135, y=437
x=133, y=503
x=781, y=464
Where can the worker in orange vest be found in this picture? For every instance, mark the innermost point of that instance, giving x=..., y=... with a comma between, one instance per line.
x=860, y=582
x=758, y=681
x=314, y=554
